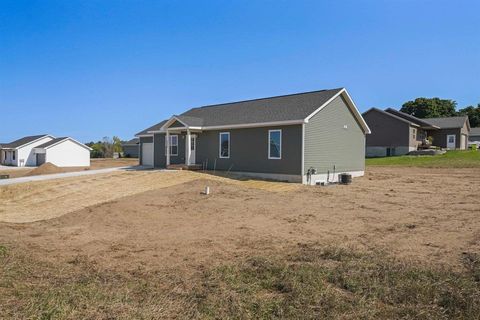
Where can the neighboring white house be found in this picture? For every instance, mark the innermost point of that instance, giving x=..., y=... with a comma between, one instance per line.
x=36, y=150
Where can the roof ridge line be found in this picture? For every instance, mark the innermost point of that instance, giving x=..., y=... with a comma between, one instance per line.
x=257, y=99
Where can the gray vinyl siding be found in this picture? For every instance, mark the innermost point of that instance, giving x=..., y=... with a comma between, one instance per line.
x=143, y=140
x=249, y=150
x=329, y=144
x=475, y=137
x=131, y=151
x=387, y=131
x=159, y=159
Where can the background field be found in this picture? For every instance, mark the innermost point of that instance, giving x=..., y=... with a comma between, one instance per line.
x=451, y=159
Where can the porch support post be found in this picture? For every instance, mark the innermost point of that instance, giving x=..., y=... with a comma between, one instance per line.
x=188, y=148
x=168, y=147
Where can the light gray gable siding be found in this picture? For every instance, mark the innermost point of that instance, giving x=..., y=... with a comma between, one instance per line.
x=249, y=150
x=328, y=143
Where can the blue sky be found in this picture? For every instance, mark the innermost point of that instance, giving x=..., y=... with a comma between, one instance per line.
x=90, y=69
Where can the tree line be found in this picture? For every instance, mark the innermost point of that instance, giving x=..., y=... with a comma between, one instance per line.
x=105, y=148
x=437, y=108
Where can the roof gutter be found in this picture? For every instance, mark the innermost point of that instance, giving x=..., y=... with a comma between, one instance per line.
x=239, y=126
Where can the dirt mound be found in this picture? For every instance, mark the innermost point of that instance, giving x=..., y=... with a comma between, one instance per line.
x=46, y=168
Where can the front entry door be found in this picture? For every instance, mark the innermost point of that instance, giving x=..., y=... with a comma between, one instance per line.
x=193, y=149
x=451, y=141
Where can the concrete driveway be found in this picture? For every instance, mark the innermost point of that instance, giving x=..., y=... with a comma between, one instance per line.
x=6, y=182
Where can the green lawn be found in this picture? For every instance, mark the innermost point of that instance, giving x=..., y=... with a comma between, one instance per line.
x=451, y=159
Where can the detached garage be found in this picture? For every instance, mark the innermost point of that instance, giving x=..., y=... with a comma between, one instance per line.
x=63, y=152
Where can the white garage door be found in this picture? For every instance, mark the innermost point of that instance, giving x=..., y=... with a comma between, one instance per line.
x=147, y=154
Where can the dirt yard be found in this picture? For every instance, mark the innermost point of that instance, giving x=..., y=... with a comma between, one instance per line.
x=157, y=217
x=160, y=220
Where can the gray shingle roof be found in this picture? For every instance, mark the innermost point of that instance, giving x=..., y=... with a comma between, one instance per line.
x=409, y=117
x=131, y=142
x=51, y=142
x=475, y=131
x=281, y=108
x=449, y=122
x=22, y=141
x=391, y=115
x=155, y=127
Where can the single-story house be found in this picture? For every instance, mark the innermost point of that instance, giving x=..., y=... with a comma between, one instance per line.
x=306, y=137
x=398, y=133
x=474, y=135
x=131, y=148
x=36, y=150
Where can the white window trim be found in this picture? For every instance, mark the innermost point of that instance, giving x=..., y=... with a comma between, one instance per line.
x=220, y=145
x=171, y=145
x=269, y=132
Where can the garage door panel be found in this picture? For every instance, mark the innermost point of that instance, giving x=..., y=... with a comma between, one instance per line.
x=147, y=154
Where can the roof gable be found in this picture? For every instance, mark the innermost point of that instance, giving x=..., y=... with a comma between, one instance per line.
x=391, y=115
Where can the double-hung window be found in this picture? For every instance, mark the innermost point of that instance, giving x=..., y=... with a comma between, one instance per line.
x=275, y=144
x=224, y=150
x=173, y=145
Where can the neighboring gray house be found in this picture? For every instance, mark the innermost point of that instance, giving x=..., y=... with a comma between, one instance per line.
x=131, y=148
x=398, y=133
x=280, y=138
x=474, y=135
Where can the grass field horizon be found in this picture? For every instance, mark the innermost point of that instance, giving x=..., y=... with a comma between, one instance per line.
x=451, y=159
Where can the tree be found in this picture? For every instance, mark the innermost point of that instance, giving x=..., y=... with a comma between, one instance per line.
x=117, y=144
x=430, y=108
x=473, y=114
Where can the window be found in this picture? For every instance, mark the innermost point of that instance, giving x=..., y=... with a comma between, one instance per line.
x=451, y=139
x=173, y=145
x=224, y=145
x=414, y=133
x=274, y=144
x=13, y=155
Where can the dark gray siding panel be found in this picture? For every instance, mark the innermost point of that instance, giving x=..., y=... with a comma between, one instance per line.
x=249, y=150
x=328, y=143
x=131, y=151
x=386, y=130
x=159, y=159
x=143, y=140
x=440, y=137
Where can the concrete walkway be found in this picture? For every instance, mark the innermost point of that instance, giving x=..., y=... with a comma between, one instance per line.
x=6, y=182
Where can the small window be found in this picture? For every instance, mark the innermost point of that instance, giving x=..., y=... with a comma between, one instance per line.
x=450, y=140
x=274, y=144
x=173, y=145
x=414, y=133
x=13, y=155
x=224, y=145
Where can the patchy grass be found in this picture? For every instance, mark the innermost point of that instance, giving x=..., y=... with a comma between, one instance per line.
x=308, y=283
x=451, y=159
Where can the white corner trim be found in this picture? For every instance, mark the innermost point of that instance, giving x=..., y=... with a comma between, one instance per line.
x=303, y=149
x=220, y=145
x=350, y=103
x=269, y=132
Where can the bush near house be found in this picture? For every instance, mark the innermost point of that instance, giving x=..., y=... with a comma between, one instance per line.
x=451, y=159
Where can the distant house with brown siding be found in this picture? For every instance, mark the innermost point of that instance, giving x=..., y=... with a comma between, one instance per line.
x=398, y=133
